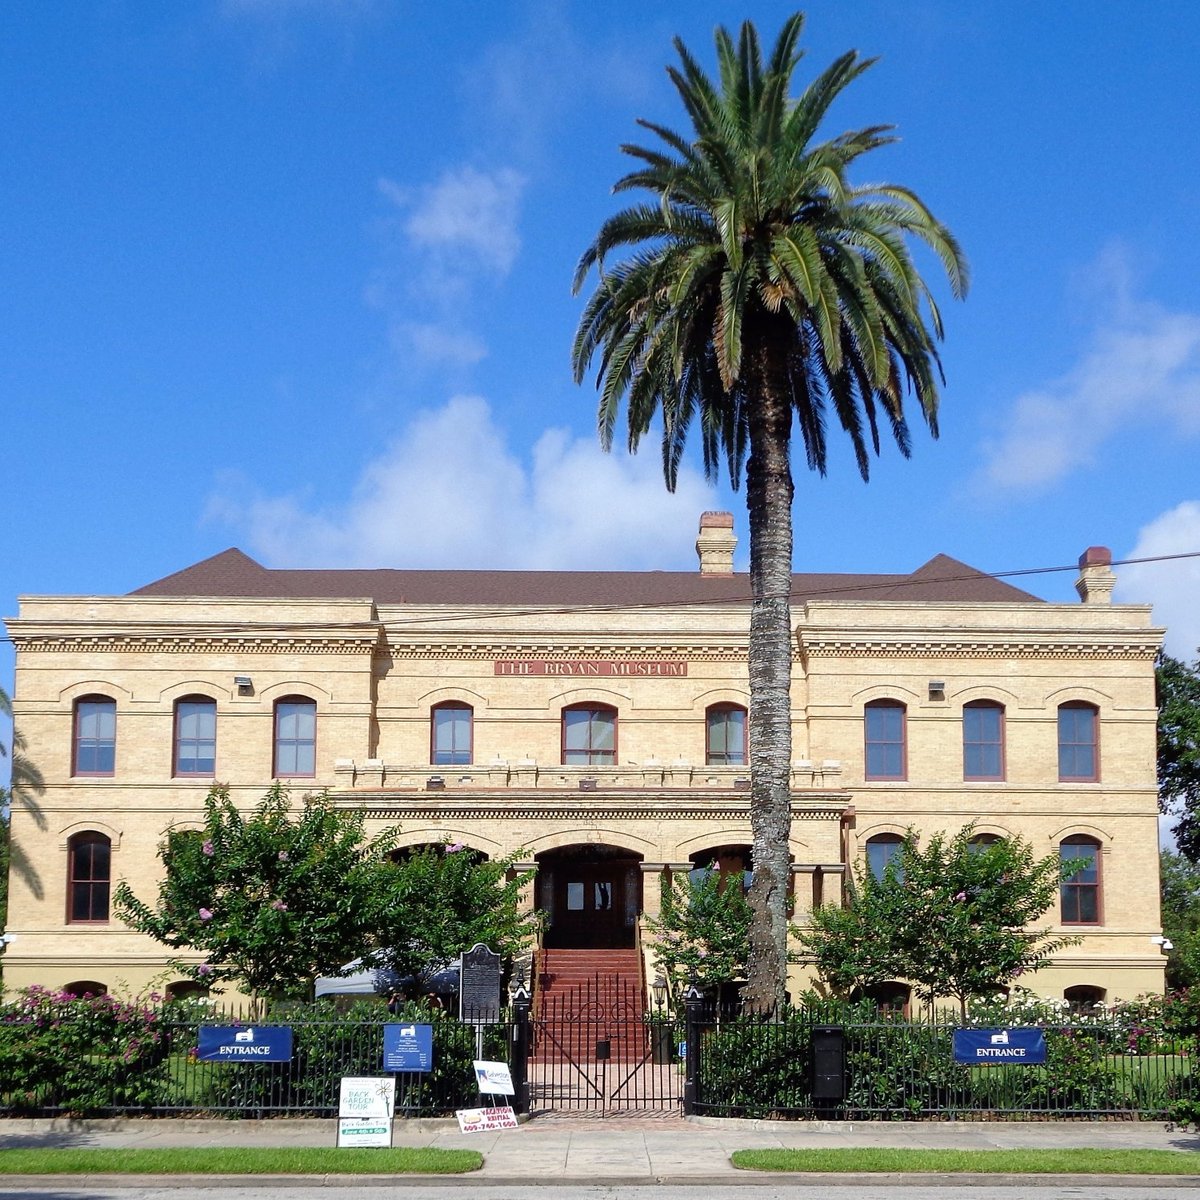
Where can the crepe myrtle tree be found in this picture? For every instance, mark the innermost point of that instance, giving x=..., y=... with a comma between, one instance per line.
x=431, y=903
x=272, y=898
x=957, y=917
x=757, y=291
x=702, y=931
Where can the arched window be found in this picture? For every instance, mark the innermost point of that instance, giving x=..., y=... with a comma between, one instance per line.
x=883, y=852
x=450, y=734
x=94, y=750
x=981, y=841
x=89, y=877
x=195, y=736
x=186, y=989
x=983, y=740
x=295, y=737
x=1081, y=892
x=891, y=999
x=1078, y=742
x=886, y=749
x=1084, y=998
x=725, y=736
x=85, y=987
x=589, y=735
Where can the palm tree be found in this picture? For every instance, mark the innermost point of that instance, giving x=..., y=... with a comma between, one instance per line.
x=25, y=785
x=761, y=288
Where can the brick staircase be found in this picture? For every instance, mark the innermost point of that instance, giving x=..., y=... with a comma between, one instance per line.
x=587, y=998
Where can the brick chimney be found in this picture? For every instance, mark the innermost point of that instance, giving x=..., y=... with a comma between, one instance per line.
x=1096, y=576
x=716, y=543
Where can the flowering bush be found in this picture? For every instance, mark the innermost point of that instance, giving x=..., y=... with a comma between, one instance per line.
x=80, y=1054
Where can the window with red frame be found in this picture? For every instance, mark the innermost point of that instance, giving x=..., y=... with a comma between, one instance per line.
x=1081, y=892
x=89, y=878
x=295, y=737
x=725, y=736
x=196, y=736
x=983, y=740
x=589, y=736
x=95, y=740
x=886, y=752
x=450, y=734
x=1078, y=742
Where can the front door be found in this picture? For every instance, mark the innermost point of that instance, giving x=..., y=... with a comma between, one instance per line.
x=588, y=912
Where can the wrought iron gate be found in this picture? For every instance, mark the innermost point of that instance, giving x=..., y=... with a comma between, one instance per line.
x=595, y=1049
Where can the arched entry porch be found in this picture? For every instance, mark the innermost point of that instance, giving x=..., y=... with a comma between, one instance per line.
x=591, y=895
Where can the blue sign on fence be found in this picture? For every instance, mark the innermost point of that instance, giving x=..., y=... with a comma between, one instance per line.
x=985, y=1047
x=408, y=1047
x=250, y=1043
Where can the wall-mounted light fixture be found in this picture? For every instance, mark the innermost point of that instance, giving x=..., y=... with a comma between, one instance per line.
x=435, y=783
x=244, y=685
x=937, y=689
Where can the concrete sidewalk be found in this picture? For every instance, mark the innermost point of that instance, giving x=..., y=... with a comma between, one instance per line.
x=614, y=1150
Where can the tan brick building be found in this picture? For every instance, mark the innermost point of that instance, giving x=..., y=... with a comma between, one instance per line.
x=595, y=721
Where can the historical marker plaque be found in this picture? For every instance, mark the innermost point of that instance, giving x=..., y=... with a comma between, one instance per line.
x=479, y=985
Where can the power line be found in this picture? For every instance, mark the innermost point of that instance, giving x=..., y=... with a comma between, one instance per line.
x=888, y=583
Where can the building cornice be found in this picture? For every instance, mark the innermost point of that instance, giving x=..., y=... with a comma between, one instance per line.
x=1140, y=645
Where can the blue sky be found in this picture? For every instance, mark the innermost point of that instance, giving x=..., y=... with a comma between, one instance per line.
x=294, y=275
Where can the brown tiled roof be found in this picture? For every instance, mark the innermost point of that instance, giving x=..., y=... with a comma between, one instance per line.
x=232, y=573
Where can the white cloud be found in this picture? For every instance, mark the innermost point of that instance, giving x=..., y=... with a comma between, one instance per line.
x=449, y=492
x=1141, y=367
x=446, y=239
x=1173, y=587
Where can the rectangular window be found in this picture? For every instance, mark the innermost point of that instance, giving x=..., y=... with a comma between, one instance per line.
x=885, y=749
x=451, y=735
x=589, y=737
x=295, y=738
x=95, y=736
x=1081, y=892
x=983, y=741
x=196, y=737
x=90, y=873
x=1078, y=760
x=726, y=737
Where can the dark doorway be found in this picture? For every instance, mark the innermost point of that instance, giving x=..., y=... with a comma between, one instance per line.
x=591, y=896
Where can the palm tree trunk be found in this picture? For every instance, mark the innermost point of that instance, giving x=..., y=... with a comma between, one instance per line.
x=769, y=502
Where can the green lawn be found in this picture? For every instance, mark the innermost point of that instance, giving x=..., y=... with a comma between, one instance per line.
x=301, y=1160
x=1019, y=1162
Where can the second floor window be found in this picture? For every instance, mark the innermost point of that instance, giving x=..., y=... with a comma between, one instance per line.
x=450, y=735
x=886, y=752
x=589, y=736
x=726, y=745
x=295, y=737
x=95, y=748
x=1078, y=743
x=983, y=740
x=196, y=736
x=89, y=876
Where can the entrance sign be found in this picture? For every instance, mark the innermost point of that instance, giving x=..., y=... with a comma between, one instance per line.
x=494, y=1078
x=251, y=1043
x=991, y=1047
x=408, y=1047
x=479, y=986
x=484, y=1120
x=365, y=1109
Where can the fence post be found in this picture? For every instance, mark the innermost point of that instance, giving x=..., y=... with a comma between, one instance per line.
x=693, y=1002
x=520, y=1046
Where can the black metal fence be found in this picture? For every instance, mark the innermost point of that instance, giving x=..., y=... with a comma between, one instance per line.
x=802, y=1068
x=104, y=1057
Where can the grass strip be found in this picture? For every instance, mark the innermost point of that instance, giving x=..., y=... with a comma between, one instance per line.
x=242, y=1160
x=988, y=1162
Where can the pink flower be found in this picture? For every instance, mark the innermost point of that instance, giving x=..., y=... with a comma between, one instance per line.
x=283, y=856
x=279, y=906
x=961, y=897
x=207, y=849
x=205, y=915
x=204, y=969
x=455, y=847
